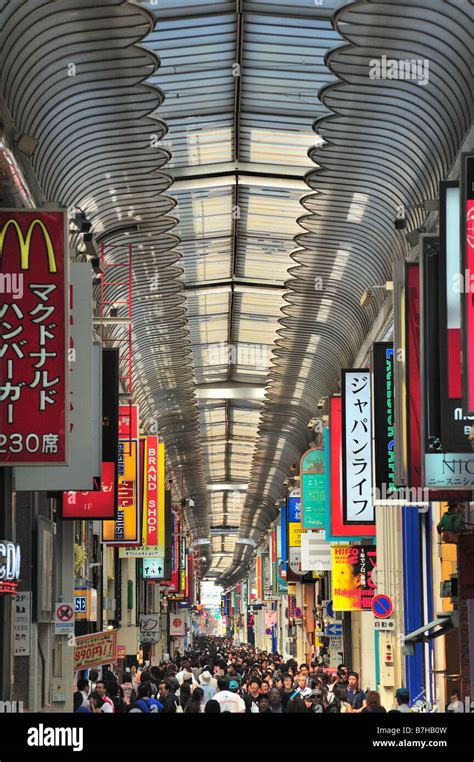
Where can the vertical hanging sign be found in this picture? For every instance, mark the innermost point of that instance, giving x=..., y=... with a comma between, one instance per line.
x=34, y=397
x=467, y=299
x=126, y=529
x=384, y=442
x=313, y=502
x=357, y=447
x=153, y=494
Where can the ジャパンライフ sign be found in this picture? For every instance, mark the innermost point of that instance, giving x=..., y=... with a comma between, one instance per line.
x=33, y=337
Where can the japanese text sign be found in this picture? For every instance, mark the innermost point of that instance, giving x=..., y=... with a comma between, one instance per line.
x=352, y=584
x=357, y=447
x=33, y=337
x=95, y=650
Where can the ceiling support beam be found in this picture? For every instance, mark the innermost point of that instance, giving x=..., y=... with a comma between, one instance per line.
x=230, y=390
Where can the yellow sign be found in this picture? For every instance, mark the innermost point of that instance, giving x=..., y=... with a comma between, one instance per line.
x=294, y=535
x=352, y=585
x=95, y=650
x=25, y=243
x=126, y=529
x=85, y=604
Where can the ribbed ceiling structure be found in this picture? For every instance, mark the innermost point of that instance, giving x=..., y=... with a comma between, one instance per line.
x=240, y=83
x=388, y=142
x=73, y=76
x=225, y=96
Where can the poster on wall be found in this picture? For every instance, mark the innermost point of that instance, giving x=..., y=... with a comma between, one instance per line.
x=353, y=585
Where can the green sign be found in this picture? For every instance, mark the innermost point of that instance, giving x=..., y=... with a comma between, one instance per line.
x=313, y=498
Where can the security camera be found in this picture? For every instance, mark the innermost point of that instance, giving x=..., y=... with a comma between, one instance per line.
x=312, y=423
x=320, y=404
x=366, y=297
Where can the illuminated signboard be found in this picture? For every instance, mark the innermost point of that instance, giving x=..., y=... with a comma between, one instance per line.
x=339, y=528
x=126, y=529
x=357, y=447
x=313, y=501
x=10, y=561
x=34, y=337
x=383, y=417
x=467, y=262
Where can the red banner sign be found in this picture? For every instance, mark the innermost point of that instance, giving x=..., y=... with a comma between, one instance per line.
x=33, y=337
x=98, y=504
x=128, y=422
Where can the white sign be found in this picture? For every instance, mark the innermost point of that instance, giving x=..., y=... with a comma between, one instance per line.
x=294, y=560
x=64, y=618
x=335, y=650
x=22, y=624
x=150, y=628
x=144, y=551
x=357, y=447
x=177, y=626
x=315, y=552
x=85, y=387
x=384, y=624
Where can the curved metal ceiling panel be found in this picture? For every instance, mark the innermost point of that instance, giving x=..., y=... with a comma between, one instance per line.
x=73, y=76
x=388, y=142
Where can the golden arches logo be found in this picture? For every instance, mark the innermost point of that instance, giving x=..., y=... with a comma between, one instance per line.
x=25, y=243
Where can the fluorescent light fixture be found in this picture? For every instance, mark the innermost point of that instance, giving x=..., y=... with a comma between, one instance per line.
x=211, y=291
x=227, y=487
x=241, y=288
x=357, y=207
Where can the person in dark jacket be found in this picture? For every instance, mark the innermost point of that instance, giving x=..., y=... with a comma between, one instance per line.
x=168, y=698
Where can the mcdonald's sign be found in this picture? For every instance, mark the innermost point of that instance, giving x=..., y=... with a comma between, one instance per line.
x=34, y=336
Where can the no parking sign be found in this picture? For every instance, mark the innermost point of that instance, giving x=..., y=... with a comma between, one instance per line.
x=64, y=618
x=382, y=606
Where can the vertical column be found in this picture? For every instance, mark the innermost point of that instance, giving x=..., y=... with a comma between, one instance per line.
x=390, y=578
x=63, y=669
x=6, y=533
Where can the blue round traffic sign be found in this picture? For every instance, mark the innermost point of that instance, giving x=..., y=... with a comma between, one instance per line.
x=382, y=606
x=330, y=610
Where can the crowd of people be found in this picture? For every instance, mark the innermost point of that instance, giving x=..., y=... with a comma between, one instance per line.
x=217, y=677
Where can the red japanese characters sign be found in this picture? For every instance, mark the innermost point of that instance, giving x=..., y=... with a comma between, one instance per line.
x=33, y=337
x=128, y=421
x=99, y=504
